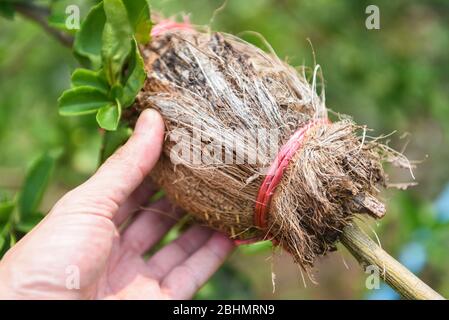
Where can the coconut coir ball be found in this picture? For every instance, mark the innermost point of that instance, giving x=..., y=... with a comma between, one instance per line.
x=223, y=101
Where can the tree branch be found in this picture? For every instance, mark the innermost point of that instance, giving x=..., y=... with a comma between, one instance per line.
x=40, y=16
x=367, y=252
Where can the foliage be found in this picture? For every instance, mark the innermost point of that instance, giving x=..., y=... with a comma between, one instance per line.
x=19, y=214
x=108, y=41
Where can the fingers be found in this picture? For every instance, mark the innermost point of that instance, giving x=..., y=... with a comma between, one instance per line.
x=126, y=169
x=185, y=279
x=149, y=227
x=135, y=201
x=163, y=261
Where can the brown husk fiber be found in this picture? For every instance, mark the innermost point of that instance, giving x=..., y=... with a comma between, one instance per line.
x=234, y=89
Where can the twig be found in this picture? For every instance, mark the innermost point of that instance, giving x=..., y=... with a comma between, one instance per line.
x=367, y=252
x=40, y=15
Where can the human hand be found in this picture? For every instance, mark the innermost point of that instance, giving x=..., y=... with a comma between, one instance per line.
x=86, y=237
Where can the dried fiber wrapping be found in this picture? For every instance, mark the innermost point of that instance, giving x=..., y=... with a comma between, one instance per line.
x=230, y=93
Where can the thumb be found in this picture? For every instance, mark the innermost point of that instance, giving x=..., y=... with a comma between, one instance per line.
x=126, y=169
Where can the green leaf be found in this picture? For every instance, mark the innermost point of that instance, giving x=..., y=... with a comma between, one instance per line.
x=157, y=196
x=136, y=78
x=2, y=245
x=117, y=35
x=7, y=240
x=6, y=209
x=28, y=223
x=140, y=18
x=113, y=140
x=108, y=116
x=88, y=78
x=12, y=239
x=35, y=184
x=88, y=40
x=255, y=248
x=57, y=21
x=82, y=100
x=116, y=91
x=7, y=10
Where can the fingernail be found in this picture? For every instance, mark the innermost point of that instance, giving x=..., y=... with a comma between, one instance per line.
x=146, y=120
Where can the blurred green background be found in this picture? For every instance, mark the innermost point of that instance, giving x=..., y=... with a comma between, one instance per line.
x=392, y=79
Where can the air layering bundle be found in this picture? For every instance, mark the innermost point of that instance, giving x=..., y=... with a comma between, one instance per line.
x=227, y=91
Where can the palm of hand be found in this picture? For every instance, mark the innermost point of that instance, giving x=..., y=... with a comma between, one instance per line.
x=177, y=271
x=91, y=245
